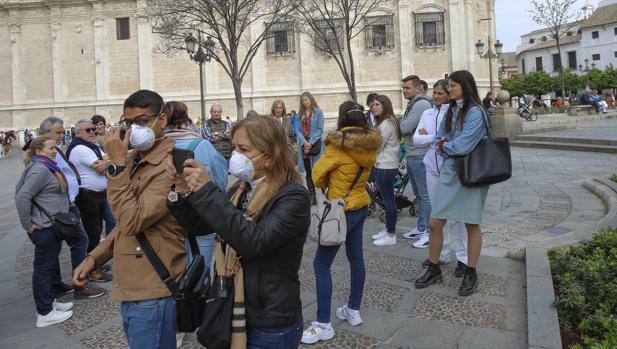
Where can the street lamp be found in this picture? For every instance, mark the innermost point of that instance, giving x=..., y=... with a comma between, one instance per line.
x=586, y=70
x=204, y=53
x=490, y=55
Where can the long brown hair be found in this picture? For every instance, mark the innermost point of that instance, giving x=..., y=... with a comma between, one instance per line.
x=177, y=114
x=387, y=114
x=36, y=144
x=267, y=135
x=470, y=98
x=275, y=104
x=303, y=110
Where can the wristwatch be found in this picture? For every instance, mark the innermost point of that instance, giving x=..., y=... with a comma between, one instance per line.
x=114, y=170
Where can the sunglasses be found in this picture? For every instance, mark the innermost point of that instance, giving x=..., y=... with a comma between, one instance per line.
x=89, y=130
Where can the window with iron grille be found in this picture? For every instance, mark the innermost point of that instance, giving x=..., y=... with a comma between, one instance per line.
x=595, y=56
x=539, y=64
x=595, y=34
x=430, y=29
x=572, y=63
x=123, y=29
x=379, y=32
x=556, y=66
x=330, y=34
x=281, y=38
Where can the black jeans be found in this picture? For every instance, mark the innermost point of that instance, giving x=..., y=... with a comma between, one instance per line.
x=46, y=249
x=309, y=179
x=91, y=206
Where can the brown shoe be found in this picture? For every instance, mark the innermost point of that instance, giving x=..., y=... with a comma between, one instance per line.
x=99, y=276
x=89, y=292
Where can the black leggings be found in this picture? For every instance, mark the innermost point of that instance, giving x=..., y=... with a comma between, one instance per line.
x=309, y=180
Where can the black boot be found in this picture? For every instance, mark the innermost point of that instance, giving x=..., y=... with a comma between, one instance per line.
x=470, y=282
x=460, y=269
x=432, y=275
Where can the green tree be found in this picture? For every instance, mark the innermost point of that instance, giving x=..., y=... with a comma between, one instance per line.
x=595, y=79
x=515, y=85
x=538, y=83
x=569, y=81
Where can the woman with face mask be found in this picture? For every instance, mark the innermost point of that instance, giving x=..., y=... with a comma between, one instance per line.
x=267, y=228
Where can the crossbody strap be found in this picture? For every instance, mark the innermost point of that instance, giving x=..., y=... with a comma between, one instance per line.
x=42, y=210
x=194, y=143
x=158, y=265
x=355, y=181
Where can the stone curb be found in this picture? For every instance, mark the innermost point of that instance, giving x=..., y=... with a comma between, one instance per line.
x=542, y=321
x=606, y=190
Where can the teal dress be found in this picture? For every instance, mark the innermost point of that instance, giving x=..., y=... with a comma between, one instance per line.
x=453, y=200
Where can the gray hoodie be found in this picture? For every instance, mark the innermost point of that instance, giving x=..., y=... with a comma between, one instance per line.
x=38, y=183
x=410, y=121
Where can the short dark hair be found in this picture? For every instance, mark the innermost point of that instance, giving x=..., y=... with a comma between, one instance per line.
x=350, y=114
x=413, y=78
x=145, y=99
x=424, y=85
x=371, y=97
x=98, y=118
x=177, y=115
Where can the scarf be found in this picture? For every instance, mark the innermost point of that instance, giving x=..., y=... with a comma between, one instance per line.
x=55, y=170
x=78, y=141
x=186, y=132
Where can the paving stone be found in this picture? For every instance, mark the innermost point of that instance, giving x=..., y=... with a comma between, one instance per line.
x=346, y=339
x=377, y=295
x=420, y=334
x=87, y=313
x=462, y=311
x=393, y=266
x=482, y=338
x=110, y=338
x=307, y=277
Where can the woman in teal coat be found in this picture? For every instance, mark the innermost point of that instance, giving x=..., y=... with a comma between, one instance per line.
x=309, y=134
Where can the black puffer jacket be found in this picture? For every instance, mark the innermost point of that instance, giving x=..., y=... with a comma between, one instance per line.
x=271, y=247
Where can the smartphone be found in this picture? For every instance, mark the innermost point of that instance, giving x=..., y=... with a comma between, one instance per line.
x=122, y=133
x=180, y=156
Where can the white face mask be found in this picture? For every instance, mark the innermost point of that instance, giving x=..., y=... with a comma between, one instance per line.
x=241, y=166
x=142, y=137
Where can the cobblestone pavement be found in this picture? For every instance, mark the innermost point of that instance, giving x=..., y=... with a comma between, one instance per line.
x=544, y=199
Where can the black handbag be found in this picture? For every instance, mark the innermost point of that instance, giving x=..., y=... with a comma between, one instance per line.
x=189, y=304
x=316, y=148
x=65, y=225
x=216, y=325
x=489, y=163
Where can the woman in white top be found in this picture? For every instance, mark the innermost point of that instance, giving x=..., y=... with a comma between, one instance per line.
x=425, y=134
x=386, y=166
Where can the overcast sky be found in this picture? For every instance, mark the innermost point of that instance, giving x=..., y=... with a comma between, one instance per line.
x=513, y=20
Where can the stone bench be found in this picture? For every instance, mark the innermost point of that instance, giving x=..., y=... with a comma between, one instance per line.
x=586, y=109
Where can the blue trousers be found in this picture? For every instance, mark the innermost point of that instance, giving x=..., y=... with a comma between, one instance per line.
x=45, y=271
x=206, y=248
x=323, y=261
x=385, y=183
x=258, y=337
x=108, y=217
x=150, y=323
x=417, y=177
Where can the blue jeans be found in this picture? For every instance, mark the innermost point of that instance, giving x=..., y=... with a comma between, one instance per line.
x=323, y=261
x=385, y=183
x=150, y=323
x=44, y=273
x=78, y=243
x=258, y=337
x=206, y=248
x=417, y=177
x=108, y=217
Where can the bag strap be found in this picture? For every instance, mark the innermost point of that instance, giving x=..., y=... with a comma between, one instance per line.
x=355, y=181
x=194, y=143
x=486, y=123
x=158, y=266
x=42, y=210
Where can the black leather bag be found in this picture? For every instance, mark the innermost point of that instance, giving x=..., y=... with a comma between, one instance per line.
x=489, y=163
x=65, y=225
x=316, y=148
x=216, y=326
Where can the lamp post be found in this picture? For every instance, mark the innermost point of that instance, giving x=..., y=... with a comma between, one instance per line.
x=586, y=71
x=203, y=54
x=490, y=55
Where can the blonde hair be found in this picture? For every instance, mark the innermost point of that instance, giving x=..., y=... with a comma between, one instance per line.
x=275, y=104
x=36, y=144
x=314, y=105
x=268, y=136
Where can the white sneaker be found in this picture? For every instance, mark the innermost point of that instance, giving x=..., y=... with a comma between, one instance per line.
x=53, y=317
x=422, y=242
x=62, y=306
x=179, y=339
x=350, y=315
x=380, y=234
x=317, y=332
x=414, y=233
x=385, y=241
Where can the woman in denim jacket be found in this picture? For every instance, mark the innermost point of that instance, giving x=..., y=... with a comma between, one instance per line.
x=462, y=129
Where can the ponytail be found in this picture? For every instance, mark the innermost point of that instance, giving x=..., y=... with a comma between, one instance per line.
x=34, y=145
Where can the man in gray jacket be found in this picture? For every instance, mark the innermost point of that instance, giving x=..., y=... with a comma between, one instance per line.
x=418, y=103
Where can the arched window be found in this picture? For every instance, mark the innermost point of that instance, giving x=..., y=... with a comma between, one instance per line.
x=531, y=41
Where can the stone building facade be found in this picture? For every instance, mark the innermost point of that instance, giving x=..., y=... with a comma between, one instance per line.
x=75, y=58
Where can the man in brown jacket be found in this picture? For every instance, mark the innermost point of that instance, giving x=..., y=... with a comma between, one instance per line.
x=137, y=192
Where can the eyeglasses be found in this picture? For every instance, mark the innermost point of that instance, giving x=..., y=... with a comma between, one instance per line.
x=141, y=120
x=89, y=130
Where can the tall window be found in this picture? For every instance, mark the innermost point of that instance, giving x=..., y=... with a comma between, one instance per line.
x=556, y=65
x=281, y=38
x=523, y=66
x=379, y=32
x=123, y=29
x=539, y=64
x=331, y=32
x=572, y=63
x=430, y=29
x=595, y=34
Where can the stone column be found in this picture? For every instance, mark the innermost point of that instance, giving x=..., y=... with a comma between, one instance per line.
x=459, y=38
x=56, y=61
x=100, y=57
x=18, y=120
x=144, y=41
x=405, y=40
x=505, y=123
x=305, y=53
x=258, y=75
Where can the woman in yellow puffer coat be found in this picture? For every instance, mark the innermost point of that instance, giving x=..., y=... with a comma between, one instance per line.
x=350, y=150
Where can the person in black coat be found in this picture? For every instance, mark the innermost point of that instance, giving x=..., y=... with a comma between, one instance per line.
x=267, y=229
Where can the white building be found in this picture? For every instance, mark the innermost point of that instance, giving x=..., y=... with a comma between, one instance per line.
x=592, y=40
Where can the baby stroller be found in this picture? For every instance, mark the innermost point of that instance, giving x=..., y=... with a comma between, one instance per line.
x=400, y=183
x=525, y=110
